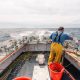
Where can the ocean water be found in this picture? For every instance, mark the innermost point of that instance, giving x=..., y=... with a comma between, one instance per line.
x=5, y=33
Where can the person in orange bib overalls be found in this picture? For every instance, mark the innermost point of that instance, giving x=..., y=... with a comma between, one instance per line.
x=57, y=38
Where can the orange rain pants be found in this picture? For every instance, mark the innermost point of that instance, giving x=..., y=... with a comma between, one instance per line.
x=56, y=51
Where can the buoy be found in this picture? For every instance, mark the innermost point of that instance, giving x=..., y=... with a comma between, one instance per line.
x=22, y=78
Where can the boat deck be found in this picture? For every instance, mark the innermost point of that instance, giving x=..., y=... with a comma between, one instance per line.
x=32, y=69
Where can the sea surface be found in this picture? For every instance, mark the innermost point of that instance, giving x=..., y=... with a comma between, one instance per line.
x=5, y=33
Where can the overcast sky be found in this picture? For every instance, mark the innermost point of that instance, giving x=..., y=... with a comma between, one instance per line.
x=40, y=11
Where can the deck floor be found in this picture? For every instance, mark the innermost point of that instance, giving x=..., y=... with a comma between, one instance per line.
x=32, y=69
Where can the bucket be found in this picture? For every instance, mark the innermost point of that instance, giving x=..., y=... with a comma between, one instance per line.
x=22, y=78
x=56, y=71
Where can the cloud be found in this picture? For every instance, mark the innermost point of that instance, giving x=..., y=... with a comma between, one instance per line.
x=40, y=11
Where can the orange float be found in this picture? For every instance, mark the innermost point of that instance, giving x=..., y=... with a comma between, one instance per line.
x=22, y=78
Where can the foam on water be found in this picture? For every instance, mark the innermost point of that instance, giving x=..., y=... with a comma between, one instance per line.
x=5, y=33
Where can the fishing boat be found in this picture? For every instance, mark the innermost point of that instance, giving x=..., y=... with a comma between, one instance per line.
x=22, y=61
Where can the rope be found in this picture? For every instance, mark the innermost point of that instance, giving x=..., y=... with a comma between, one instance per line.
x=67, y=65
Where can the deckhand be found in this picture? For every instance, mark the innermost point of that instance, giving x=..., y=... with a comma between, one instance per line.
x=57, y=39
